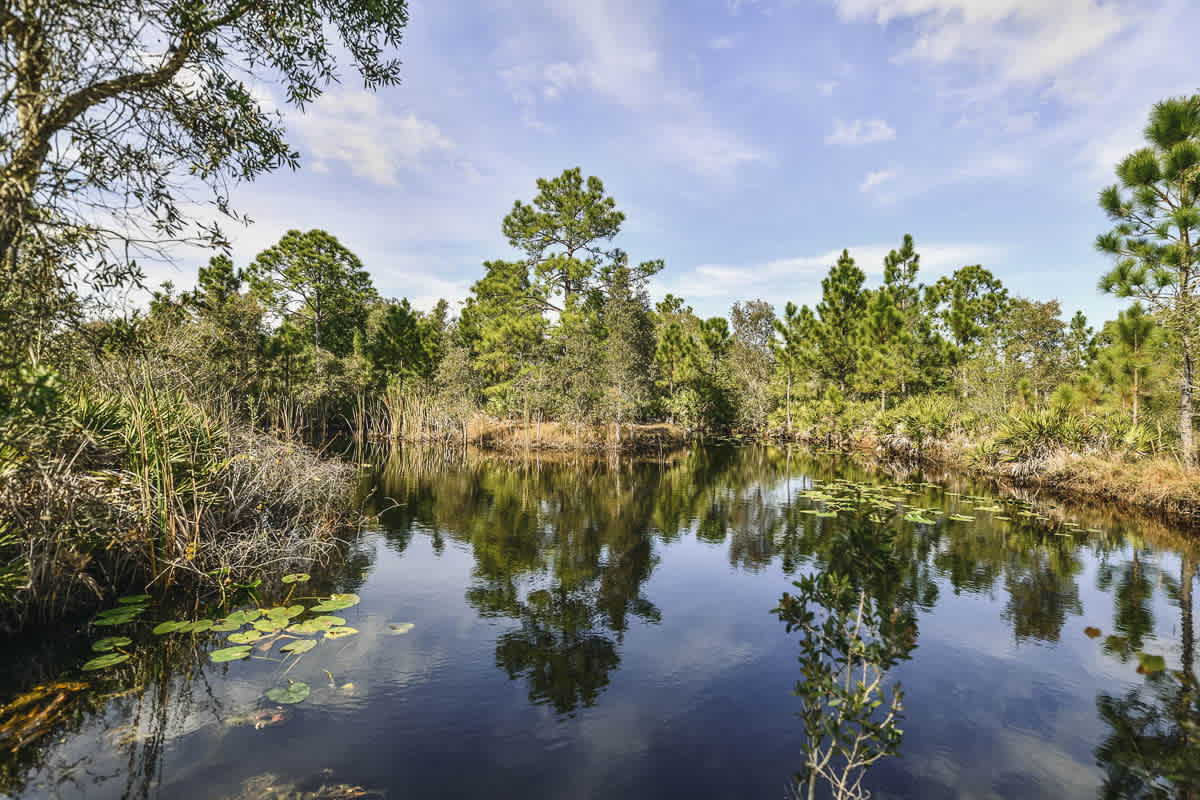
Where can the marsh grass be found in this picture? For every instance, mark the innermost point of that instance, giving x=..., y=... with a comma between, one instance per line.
x=145, y=480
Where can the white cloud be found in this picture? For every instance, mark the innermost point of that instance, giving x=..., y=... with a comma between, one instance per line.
x=874, y=179
x=1021, y=41
x=860, y=132
x=616, y=55
x=825, y=88
x=355, y=128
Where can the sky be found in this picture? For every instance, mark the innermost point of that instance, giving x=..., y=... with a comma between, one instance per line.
x=747, y=141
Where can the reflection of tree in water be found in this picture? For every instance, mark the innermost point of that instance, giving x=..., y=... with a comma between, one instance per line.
x=853, y=633
x=1042, y=590
x=1152, y=749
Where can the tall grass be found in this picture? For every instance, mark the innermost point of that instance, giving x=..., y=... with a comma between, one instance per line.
x=143, y=479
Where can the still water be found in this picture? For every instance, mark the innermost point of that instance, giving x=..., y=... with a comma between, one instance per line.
x=594, y=629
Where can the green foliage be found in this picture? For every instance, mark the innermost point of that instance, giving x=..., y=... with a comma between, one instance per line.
x=313, y=281
x=1156, y=233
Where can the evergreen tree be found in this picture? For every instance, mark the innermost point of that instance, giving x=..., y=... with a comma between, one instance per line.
x=312, y=279
x=628, y=347
x=1156, y=235
x=839, y=313
x=882, y=343
x=794, y=352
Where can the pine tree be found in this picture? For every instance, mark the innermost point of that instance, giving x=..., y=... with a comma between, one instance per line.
x=628, y=347
x=1156, y=235
x=839, y=313
x=794, y=352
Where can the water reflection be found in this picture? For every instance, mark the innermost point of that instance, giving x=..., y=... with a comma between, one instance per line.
x=570, y=607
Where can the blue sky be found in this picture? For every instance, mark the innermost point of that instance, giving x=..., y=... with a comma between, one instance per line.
x=747, y=141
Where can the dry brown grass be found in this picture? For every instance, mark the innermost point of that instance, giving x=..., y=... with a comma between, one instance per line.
x=509, y=436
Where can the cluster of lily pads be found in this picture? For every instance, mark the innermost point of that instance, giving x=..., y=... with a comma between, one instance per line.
x=881, y=503
x=292, y=624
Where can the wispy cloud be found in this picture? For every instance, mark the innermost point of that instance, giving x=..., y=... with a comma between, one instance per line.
x=874, y=179
x=860, y=132
x=826, y=88
x=354, y=128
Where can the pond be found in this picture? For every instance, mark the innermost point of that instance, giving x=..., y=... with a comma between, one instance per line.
x=559, y=629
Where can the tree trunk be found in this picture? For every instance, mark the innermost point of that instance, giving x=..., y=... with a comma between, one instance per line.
x=1135, y=396
x=1185, y=406
x=789, y=404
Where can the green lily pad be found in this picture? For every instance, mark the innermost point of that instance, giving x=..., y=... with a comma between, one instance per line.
x=299, y=646
x=105, y=661
x=284, y=614
x=336, y=602
x=170, y=626
x=199, y=626
x=1002, y=518
x=229, y=654
x=245, y=637
x=296, y=577
x=109, y=642
x=1148, y=663
x=133, y=599
x=401, y=627
x=294, y=692
x=339, y=632
x=269, y=625
x=915, y=516
x=961, y=518
x=118, y=616
x=989, y=508
x=226, y=625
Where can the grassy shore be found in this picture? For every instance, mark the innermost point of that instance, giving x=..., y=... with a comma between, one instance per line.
x=134, y=484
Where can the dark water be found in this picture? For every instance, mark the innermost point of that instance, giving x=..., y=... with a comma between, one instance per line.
x=602, y=630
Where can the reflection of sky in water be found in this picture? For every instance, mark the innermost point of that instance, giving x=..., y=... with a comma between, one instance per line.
x=698, y=705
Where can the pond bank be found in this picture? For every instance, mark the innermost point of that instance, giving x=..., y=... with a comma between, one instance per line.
x=629, y=439
x=1157, y=486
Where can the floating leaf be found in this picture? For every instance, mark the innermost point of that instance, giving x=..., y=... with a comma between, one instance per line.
x=170, y=626
x=245, y=637
x=1116, y=642
x=1091, y=633
x=961, y=518
x=109, y=642
x=230, y=654
x=1148, y=663
x=105, y=661
x=299, y=646
x=282, y=613
x=269, y=625
x=294, y=692
x=1002, y=518
x=339, y=632
x=989, y=508
x=915, y=516
x=118, y=616
x=401, y=627
x=827, y=514
x=199, y=626
x=296, y=577
x=226, y=625
x=133, y=599
x=337, y=602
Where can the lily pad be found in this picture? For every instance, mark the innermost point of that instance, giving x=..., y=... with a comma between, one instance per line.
x=133, y=599
x=281, y=613
x=245, y=637
x=340, y=632
x=989, y=508
x=915, y=516
x=170, y=626
x=1116, y=642
x=269, y=625
x=199, y=626
x=118, y=616
x=110, y=642
x=105, y=661
x=337, y=602
x=294, y=692
x=401, y=627
x=961, y=518
x=1091, y=633
x=229, y=654
x=296, y=577
x=226, y=625
x=299, y=646
x=1148, y=663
